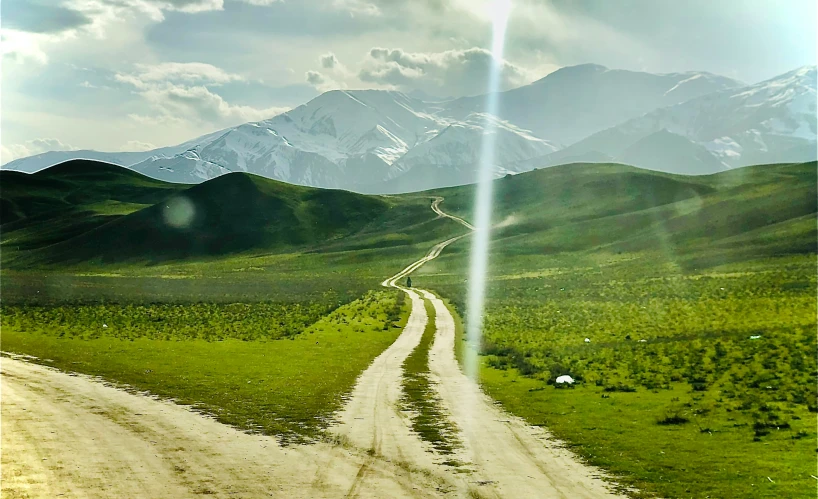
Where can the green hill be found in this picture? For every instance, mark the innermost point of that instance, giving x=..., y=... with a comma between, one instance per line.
x=76, y=185
x=746, y=213
x=68, y=199
x=86, y=211
x=230, y=214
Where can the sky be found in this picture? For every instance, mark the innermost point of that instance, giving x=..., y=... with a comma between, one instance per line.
x=128, y=75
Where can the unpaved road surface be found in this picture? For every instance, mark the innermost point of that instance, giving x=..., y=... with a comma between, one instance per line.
x=73, y=436
x=509, y=457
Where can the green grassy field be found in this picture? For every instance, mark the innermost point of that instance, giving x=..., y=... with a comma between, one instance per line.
x=283, y=387
x=697, y=296
x=672, y=394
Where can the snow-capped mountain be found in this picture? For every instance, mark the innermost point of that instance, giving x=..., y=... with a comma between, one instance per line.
x=576, y=101
x=347, y=139
x=385, y=141
x=772, y=121
x=40, y=161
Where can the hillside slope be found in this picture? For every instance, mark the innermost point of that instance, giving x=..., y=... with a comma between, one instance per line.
x=754, y=212
x=70, y=198
x=230, y=214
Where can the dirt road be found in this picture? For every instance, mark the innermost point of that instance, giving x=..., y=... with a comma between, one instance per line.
x=505, y=456
x=72, y=436
x=509, y=457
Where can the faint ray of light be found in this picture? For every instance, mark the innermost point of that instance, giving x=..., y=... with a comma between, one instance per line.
x=482, y=206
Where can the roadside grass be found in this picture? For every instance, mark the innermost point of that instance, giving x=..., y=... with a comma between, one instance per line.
x=420, y=399
x=713, y=455
x=692, y=385
x=283, y=387
x=203, y=321
x=246, y=278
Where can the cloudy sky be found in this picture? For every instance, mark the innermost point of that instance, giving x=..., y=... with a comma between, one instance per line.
x=137, y=74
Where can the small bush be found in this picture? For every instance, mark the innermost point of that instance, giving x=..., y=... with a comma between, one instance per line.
x=620, y=388
x=673, y=419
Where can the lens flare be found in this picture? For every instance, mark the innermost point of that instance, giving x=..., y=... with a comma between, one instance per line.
x=179, y=212
x=483, y=199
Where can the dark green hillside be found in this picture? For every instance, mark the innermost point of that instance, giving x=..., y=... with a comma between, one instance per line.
x=76, y=185
x=230, y=214
x=70, y=198
x=85, y=212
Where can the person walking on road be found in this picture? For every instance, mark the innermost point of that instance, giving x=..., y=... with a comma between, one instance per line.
x=408, y=282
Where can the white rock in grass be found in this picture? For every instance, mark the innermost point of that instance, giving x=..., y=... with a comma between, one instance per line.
x=565, y=379
x=755, y=337
x=104, y=325
x=587, y=340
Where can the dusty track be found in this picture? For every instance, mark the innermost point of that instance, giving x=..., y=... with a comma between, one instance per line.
x=509, y=457
x=73, y=436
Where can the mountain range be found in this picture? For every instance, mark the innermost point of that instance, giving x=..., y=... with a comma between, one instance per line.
x=378, y=141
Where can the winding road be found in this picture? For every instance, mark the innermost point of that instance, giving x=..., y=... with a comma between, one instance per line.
x=75, y=436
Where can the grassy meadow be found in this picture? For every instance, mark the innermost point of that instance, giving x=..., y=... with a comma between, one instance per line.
x=703, y=384
x=232, y=370
x=686, y=317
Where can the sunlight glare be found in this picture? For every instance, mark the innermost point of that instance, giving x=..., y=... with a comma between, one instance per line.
x=483, y=200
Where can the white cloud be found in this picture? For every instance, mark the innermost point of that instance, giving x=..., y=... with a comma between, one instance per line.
x=322, y=82
x=136, y=145
x=199, y=102
x=452, y=72
x=331, y=64
x=32, y=147
x=262, y=3
x=178, y=93
x=176, y=104
x=30, y=43
x=188, y=72
x=329, y=61
x=21, y=46
x=358, y=7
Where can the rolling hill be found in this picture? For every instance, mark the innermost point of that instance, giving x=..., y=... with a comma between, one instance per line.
x=755, y=212
x=87, y=211
x=70, y=198
x=113, y=215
